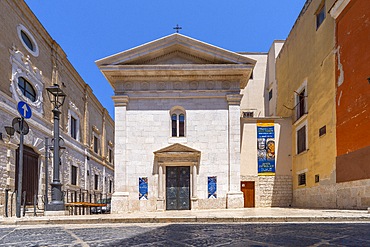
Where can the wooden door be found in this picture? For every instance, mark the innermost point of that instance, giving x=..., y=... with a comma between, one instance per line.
x=247, y=188
x=30, y=176
x=177, y=187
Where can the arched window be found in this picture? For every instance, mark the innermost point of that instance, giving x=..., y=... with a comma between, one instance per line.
x=178, y=122
x=27, y=89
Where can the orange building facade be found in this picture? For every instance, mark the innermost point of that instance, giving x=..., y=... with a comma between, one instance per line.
x=353, y=91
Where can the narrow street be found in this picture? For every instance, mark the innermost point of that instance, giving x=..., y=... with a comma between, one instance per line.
x=207, y=234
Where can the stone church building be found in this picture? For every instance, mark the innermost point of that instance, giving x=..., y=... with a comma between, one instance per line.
x=177, y=125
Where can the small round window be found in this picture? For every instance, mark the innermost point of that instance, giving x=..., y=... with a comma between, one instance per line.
x=28, y=40
x=27, y=89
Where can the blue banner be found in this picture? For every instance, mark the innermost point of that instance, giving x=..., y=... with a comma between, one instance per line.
x=143, y=188
x=212, y=187
x=266, y=149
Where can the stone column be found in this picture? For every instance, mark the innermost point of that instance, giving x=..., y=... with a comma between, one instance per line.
x=234, y=195
x=160, y=200
x=194, y=188
x=120, y=197
x=194, y=181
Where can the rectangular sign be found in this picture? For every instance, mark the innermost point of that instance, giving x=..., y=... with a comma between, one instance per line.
x=212, y=187
x=266, y=148
x=143, y=188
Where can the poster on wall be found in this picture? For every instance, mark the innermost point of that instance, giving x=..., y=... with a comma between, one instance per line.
x=266, y=148
x=212, y=187
x=143, y=188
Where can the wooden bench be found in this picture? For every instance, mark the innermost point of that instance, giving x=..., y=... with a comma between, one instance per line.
x=73, y=206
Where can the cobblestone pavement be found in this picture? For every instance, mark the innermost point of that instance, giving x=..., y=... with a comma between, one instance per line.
x=207, y=234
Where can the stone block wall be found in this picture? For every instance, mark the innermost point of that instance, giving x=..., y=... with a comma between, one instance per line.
x=272, y=191
x=353, y=195
x=348, y=195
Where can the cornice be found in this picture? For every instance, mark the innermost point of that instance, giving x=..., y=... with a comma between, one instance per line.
x=338, y=7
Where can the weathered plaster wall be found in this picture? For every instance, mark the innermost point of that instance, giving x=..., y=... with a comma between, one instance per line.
x=353, y=93
x=308, y=57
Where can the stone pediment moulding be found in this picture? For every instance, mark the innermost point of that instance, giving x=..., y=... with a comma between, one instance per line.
x=171, y=43
x=177, y=153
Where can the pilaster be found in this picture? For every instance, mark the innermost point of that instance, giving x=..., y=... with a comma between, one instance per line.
x=160, y=200
x=234, y=195
x=121, y=194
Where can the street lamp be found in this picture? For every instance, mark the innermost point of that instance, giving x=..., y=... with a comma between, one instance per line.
x=9, y=131
x=56, y=97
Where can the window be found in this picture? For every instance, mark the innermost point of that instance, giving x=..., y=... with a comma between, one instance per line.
x=28, y=41
x=74, y=116
x=110, y=186
x=322, y=131
x=301, y=104
x=302, y=179
x=73, y=175
x=178, y=123
x=317, y=178
x=27, y=89
x=73, y=128
x=270, y=94
x=95, y=141
x=96, y=182
x=96, y=144
x=248, y=114
x=25, y=85
x=320, y=16
x=301, y=140
x=110, y=155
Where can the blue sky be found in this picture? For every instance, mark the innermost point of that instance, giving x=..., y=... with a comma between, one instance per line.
x=91, y=30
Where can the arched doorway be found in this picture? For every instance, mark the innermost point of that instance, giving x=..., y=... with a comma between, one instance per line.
x=30, y=173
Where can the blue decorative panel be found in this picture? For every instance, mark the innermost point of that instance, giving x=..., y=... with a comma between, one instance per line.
x=143, y=188
x=212, y=187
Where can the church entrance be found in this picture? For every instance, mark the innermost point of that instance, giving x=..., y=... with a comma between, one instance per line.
x=177, y=187
x=30, y=173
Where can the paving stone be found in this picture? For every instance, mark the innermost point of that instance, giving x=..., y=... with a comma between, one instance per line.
x=206, y=234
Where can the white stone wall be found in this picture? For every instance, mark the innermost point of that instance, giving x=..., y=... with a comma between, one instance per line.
x=150, y=130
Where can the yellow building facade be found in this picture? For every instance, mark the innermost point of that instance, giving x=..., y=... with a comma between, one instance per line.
x=305, y=71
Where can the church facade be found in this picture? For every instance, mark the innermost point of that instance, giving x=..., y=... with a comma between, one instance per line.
x=177, y=125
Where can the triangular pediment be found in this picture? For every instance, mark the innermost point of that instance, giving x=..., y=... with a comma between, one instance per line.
x=177, y=148
x=177, y=57
x=175, y=49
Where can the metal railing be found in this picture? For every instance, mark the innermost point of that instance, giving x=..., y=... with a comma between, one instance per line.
x=69, y=196
x=12, y=203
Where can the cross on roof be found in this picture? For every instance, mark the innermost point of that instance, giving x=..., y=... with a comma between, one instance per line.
x=177, y=28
